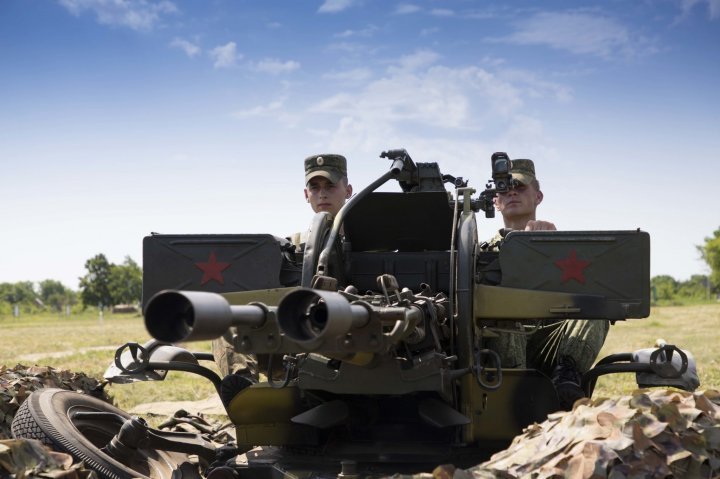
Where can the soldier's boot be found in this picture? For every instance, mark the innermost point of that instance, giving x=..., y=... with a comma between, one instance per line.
x=567, y=379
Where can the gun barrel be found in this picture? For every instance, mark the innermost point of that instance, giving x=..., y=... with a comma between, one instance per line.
x=309, y=316
x=174, y=316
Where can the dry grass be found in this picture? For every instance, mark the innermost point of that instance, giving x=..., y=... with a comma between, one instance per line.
x=695, y=328
x=84, y=343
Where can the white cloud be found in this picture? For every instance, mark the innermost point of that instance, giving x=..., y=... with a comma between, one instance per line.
x=442, y=12
x=135, y=14
x=334, y=6
x=260, y=110
x=417, y=60
x=492, y=61
x=442, y=111
x=360, y=75
x=534, y=86
x=713, y=7
x=225, y=56
x=433, y=98
x=366, y=32
x=275, y=110
x=189, y=48
x=275, y=67
x=406, y=8
x=580, y=33
x=349, y=47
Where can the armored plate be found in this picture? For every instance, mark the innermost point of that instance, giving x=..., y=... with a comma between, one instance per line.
x=420, y=221
x=216, y=263
x=570, y=274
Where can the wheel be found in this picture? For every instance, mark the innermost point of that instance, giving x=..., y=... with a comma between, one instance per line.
x=47, y=415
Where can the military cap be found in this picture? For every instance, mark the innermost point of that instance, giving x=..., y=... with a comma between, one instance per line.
x=523, y=171
x=330, y=166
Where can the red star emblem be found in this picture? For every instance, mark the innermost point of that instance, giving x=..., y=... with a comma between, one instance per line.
x=572, y=268
x=212, y=269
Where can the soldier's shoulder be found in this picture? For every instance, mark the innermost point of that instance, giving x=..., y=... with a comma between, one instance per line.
x=493, y=244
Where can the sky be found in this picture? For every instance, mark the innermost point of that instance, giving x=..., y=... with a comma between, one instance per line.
x=119, y=118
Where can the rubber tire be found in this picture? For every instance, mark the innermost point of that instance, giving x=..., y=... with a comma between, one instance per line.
x=45, y=416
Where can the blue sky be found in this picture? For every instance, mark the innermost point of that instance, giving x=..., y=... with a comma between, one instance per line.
x=122, y=117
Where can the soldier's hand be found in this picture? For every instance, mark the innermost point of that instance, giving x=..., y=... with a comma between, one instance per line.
x=537, y=225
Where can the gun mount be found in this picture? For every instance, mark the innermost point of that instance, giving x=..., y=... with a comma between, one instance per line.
x=383, y=332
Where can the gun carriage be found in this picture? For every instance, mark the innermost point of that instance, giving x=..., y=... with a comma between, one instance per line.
x=376, y=339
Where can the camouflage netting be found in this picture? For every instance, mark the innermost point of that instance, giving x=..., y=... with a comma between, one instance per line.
x=28, y=458
x=17, y=383
x=650, y=434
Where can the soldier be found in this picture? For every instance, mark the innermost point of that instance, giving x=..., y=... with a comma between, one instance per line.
x=326, y=182
x=326, y=189
x=562, y=349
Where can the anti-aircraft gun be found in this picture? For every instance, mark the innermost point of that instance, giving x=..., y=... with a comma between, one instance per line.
x=374, y=339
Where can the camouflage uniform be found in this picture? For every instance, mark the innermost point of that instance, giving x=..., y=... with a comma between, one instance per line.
x=578, y=339
x=231, y=362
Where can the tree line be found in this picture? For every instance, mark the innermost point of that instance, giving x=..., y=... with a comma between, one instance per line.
x=106, y=284
x=665, y=288
x=698, y=287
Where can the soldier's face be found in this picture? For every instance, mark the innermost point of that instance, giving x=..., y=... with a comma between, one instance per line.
x=324, y=195
x=520, y=201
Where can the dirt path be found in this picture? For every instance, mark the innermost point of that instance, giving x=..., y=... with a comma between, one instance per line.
x=211, y=405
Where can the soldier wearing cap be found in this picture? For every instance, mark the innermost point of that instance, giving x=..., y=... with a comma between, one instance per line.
x=562, y=349
x=326, y=182
x=326, y=189
x=518, y=205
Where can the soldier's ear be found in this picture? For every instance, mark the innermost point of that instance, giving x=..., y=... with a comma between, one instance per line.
x=348, y=191
x=539, y=197
x=306, y=195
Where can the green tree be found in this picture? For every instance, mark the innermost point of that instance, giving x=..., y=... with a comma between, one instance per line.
x=6, y=292
x=55, y=295
x=126, y=282
x=21, y=293
x=665, y=287
x=109, y=284
x=695, y=288
x=95, y=285
x=710, y=253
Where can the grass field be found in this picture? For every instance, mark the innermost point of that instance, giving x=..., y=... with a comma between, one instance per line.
x=87, y=344
x=695, y=328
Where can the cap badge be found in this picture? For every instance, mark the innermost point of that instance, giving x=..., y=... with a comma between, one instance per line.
x=320, y=161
